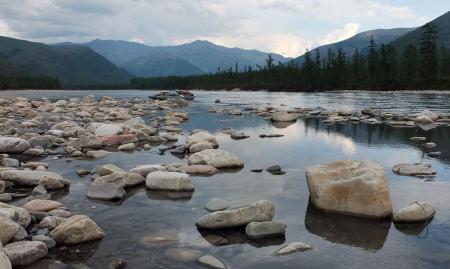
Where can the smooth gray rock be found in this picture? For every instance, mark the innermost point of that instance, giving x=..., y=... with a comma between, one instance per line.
x=144, y=170
x=13, y=145
x=257, y=230
x=217, y=158
x=260, y=211
x=97, y=154
x=10, y=162
x=169, y=181
x=106, y=191
x=103, y=170
x=415, y=212
x=30, y=178
x=49, y=242
x=123, y=179
x=8, y=230
x=5, y=197
x=25, y=252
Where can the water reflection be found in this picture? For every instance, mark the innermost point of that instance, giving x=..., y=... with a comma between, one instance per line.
x=368, y=234
x=236, y=236
x=169, y=195
x=413, y=228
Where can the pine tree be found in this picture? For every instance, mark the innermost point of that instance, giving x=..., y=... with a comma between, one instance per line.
x=428, y=52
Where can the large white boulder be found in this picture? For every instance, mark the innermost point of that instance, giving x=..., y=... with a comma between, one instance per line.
x=257, y=212
x=350, y=187
x=169, y=181
x=13, y=145
x=217, y=158
x=201, y=137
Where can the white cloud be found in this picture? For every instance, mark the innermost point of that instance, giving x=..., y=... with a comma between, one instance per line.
x=349, y=30
x=287, y=27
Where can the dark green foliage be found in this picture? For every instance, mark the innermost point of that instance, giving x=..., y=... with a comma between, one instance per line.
x=72, y=65
x=28, y=82
x=382, y=69
x=428, y=52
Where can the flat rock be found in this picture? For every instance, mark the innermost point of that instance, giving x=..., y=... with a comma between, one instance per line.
x=415, y=212
x=350, y=187
x=415, y=169
x=201, y=137
x=96, y=154
x=75, y=230
x=217, y=204
x=429, y=145
x=13, y=145
x=42, y=205
x=25, y=252
x=106, y=191
x=144, y=170
x=30, y=178
x=257, y=212
x=169, y=181
x=418, y=138
x=127, y=147
x=87, y=142
x=211, y=262
x=123, y=179
x=159, y=239
x=206, y=170
x=217, y=158
x=200, y=147
x=257, y=230
x=291, y=248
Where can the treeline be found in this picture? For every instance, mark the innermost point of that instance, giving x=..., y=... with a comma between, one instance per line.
x=20, y=81
x=424, y=66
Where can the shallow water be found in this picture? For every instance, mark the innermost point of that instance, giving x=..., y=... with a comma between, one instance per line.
x=338, y=241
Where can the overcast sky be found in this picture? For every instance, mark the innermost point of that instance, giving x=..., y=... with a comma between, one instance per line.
x=287, y=27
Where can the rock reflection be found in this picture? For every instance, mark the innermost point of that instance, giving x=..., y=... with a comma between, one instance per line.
x=169, y=195
x=75, y=254
x=235, y=236
x=282, y=124
x=412, y=228
x=368, y=234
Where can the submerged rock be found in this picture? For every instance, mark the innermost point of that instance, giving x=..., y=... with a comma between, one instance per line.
x=169, y=181
x=291, y=248
x=75, y=230
x=257, y=212
x=217, y=158
x=217, y=204
x=416, y=169
x=415, y=212
x=25, y=252
x=211, y=262
x=350, y=187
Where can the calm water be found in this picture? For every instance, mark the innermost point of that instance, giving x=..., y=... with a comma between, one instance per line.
x=338, y=241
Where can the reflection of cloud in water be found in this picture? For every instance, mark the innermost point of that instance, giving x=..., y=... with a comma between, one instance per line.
x=338, y=141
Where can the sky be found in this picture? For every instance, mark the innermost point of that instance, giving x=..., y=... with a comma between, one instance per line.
x=287, y=27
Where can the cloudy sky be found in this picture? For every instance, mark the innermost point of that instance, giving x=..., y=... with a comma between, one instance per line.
x=287, y=27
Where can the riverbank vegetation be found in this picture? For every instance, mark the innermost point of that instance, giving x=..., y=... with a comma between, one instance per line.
x=383, y=67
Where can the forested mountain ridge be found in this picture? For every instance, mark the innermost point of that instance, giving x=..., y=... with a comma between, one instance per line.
x=359, y=42
x=72, y=65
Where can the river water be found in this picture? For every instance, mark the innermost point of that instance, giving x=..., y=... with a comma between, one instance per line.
x=338, y=241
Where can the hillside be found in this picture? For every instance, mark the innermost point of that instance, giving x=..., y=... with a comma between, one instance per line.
x=72, y=65
x=161, y=66
x=203, y=55
x=413, y=37
x=360, y=41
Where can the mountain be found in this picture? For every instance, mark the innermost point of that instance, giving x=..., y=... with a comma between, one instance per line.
x=413, y=37
x=161, y=66
x=203, y=55
x=359, y=41
x=73, y=65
